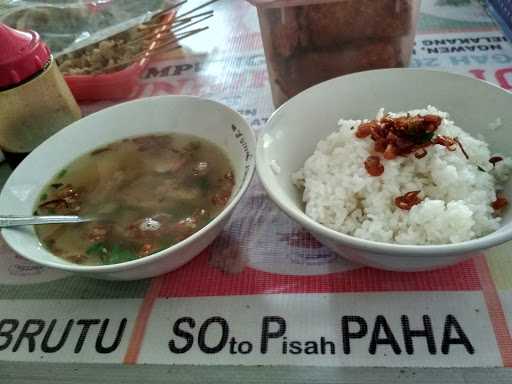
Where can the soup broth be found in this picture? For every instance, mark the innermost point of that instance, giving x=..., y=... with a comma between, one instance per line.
x=148, y=192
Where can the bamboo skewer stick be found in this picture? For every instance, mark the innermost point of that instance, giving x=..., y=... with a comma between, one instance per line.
x=171, y=7
x=196, y=9
x=158, y=49
x=179, y=28
x=152, y=32
x=161, y=36
x=187, y=19
x=166, y=27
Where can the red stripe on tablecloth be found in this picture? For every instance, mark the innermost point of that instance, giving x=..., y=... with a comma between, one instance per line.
x=199, y=279
x=496, y=312
x=135, y=344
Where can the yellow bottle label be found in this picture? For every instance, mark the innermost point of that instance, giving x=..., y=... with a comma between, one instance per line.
x=32, y=112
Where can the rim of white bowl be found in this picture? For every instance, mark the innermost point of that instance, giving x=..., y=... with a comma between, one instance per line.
x=435, y=250
x=128, y=265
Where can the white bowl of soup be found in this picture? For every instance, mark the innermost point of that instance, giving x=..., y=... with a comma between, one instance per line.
x=161, y=176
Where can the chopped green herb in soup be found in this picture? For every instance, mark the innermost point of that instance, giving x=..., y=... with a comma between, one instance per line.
x=149, y=192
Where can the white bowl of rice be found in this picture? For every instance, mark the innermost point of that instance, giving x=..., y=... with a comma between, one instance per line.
x=397, y=169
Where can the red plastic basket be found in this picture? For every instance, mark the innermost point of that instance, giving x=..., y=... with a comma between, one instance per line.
x=115, y=85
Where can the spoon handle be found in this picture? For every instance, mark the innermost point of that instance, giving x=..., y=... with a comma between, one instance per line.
x=15, y=221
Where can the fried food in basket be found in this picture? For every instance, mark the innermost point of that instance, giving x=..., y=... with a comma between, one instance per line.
x=308, y=44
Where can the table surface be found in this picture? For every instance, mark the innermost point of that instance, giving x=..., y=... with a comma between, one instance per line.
x=220, y=64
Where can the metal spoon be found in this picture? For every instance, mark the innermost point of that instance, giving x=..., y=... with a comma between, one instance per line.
x=16, y=221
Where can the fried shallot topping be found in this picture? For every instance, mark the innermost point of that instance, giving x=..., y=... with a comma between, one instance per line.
x=67, y=200
x=495, y=159
x=365, y=129
x=405, y=135
x=373, y=166
x=401, y=136
x=146, y=249
x=407, y=201
x=420, y=153
x=446, y=141
x=461, y=147
x=499, y=203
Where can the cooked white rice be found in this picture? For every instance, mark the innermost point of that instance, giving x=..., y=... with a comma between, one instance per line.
x=339, y=192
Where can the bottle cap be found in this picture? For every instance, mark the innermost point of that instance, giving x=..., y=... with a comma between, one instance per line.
x=22, y=54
